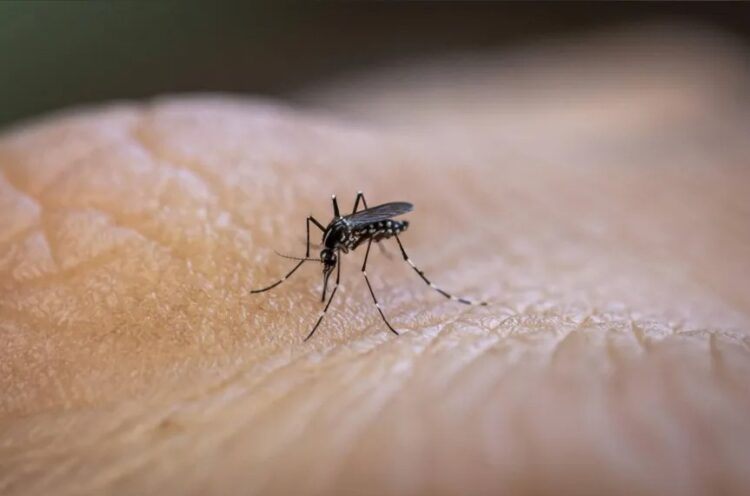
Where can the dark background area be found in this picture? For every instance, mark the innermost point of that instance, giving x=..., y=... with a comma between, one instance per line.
x=56, y=54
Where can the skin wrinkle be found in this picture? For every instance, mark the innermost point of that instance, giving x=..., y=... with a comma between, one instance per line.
x=291, y=364
x=381, y=343
x=61, y=167
x=285, y=396
x=141, y=137
x=356, y=401
x=127, y=221
x=407, y=372
x=14, y=185
x=571, y=228
x=71, y=168
x=60, y=273
x=21, y=228
x=608, y=362
x=674, y=215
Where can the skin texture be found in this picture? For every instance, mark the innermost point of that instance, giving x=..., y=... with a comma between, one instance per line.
x=599, y=203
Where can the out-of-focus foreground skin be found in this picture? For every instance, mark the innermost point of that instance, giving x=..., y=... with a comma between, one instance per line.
x=596, y=193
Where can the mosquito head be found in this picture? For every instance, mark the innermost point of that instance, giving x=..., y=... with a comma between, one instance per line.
x=328, y=257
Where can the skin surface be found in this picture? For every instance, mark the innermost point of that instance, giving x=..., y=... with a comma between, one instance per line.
x=599, y=203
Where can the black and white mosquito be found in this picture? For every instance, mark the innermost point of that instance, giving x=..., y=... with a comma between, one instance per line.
x=348, y=232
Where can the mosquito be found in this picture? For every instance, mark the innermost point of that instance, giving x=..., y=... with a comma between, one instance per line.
x=347, y=233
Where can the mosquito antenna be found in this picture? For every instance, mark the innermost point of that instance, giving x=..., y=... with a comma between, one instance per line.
x=297, y=258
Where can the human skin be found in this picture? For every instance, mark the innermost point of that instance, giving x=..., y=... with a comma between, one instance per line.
x=612, y=358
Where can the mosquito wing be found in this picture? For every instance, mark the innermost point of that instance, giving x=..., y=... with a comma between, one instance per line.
x=376, y=214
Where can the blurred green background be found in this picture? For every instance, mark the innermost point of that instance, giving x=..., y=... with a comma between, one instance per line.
x=56, y=54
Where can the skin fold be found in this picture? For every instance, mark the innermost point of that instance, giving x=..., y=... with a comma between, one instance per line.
x=598, y=201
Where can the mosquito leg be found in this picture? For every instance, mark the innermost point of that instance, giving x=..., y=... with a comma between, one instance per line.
x=253, y=291
x=333, y=293
x=367, y=280
x=421, y=274
x=318, y=225
x=336, y=213
x=307, y=254
x=360, y=196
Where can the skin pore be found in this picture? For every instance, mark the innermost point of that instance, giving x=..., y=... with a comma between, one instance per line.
x=607, y=230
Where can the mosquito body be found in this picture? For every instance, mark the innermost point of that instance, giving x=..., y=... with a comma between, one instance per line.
x=345, y=233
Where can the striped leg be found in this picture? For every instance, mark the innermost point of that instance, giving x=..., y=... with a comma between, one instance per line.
x=442, y=292
x=307, y=254
x=333, y=293
x=367, y=280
